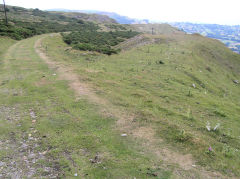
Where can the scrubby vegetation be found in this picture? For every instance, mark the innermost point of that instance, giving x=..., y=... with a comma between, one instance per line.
x=19, y=30
x=24, y=23
x=93, y=40
x=116, y=26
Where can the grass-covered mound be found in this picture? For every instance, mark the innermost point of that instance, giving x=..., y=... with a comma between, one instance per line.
x=93, y=40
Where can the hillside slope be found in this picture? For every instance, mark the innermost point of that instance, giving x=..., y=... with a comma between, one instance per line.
x=24, y=23
x=34, y=15
x=229, y=35
x=167, y=106
x=110, y=116
x=117, y=17
x=156, y=29
x=174, y=87
x=87, y=17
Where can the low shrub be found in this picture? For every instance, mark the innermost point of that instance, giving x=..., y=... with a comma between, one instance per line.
x=93, y=40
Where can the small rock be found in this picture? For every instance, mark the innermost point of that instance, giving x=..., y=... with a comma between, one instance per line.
x=194, y=86
x=31, y=156
x=75, y=174
x=193, y=165
x=16, y=175
x=54, y=74
x=32, y=114
x=47, y=169
x=124, y=135
x=235, y=81
x=24, y=146
x=2, y=164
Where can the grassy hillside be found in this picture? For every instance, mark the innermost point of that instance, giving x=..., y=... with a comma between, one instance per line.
x=156, y=29
x=45, y=131
x=24, y=23
x=229, y=35
x=34, y=15
x=176, y=87
x=167, y=106
x=87, y=17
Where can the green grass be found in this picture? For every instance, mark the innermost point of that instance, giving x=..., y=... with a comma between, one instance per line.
x=5, y=44
x=72, y=131
x=158, y=94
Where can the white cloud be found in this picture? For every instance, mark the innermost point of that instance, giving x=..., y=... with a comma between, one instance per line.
x=203, y=11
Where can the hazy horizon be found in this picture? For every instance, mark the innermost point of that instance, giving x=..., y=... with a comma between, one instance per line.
x=209, y=12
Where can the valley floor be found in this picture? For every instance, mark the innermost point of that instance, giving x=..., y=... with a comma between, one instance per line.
x=56, y=122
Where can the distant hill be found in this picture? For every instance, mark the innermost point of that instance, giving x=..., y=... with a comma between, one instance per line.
x=24, y=23
x=156, y=29
x=23, y=14
x=93, y=17
x=229, y=35
x=118, y=18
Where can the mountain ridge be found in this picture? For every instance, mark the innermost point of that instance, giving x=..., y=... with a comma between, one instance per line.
x=119, y=18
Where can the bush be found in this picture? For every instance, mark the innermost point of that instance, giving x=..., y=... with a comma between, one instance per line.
x=20, y=29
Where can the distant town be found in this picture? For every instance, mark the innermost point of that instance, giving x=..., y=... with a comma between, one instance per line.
x=229, y=35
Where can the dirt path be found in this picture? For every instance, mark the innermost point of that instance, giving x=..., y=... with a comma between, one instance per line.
x=20, y=148
x=187, y=167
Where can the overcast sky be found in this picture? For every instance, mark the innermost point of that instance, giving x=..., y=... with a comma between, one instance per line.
x=200, y=11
